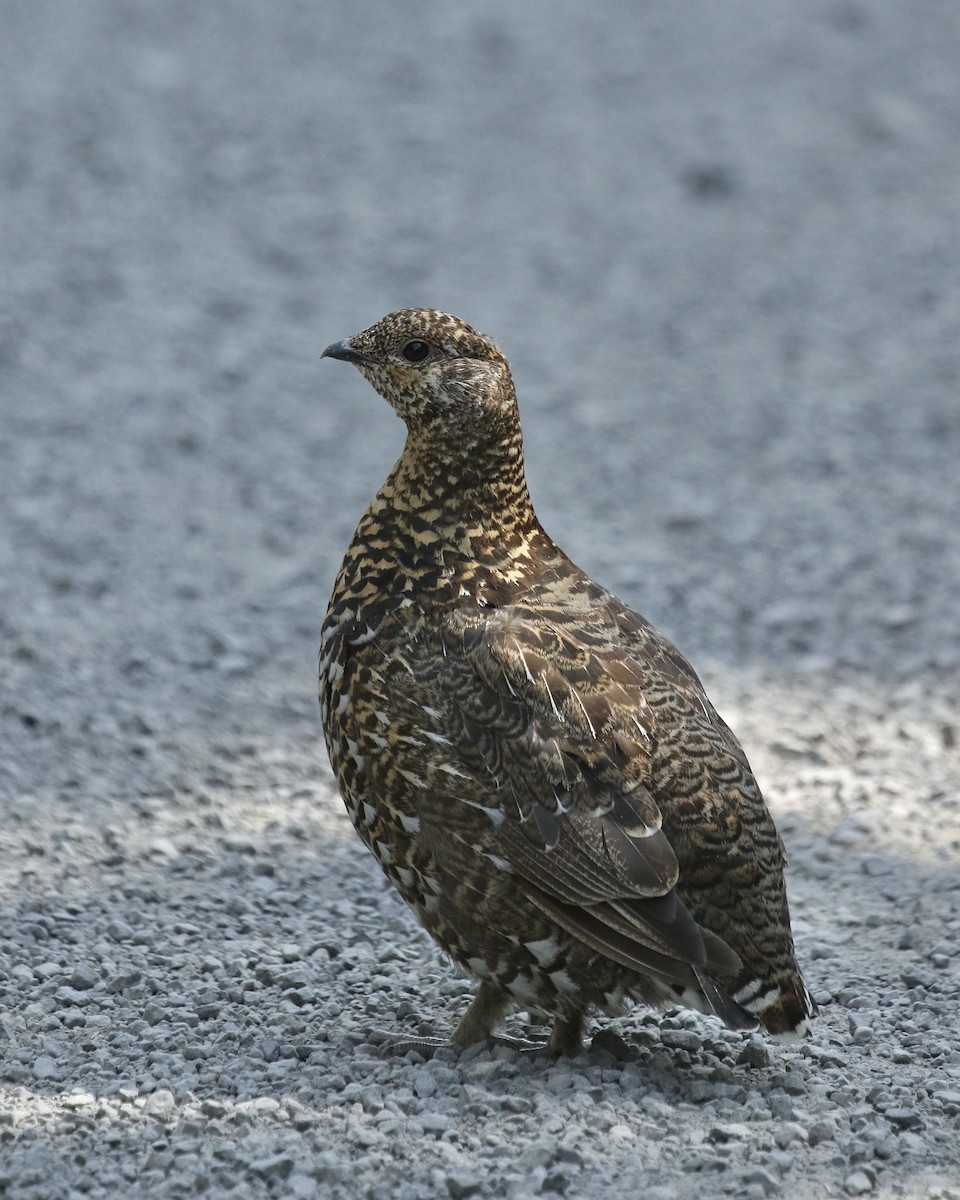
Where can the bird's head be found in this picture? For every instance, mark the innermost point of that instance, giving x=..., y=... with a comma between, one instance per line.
x=450, y=384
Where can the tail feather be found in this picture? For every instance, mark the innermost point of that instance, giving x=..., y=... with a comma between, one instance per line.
x=723, y=1005
x=783, y=1009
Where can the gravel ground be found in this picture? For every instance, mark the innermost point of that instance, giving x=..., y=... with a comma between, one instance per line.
x=718, y=244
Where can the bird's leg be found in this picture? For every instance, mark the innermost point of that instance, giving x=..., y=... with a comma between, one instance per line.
x=567, y=1036
x=478, y=1023
x=426, y=1047
x=488, y=1008
x=485, y=1013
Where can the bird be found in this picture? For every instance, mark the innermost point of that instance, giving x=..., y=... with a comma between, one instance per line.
x=536, y=769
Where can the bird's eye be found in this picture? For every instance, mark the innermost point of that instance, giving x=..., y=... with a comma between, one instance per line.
x=415, y=350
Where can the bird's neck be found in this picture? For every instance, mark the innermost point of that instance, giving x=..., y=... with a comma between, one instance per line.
x=450, y=518
x=476, y=502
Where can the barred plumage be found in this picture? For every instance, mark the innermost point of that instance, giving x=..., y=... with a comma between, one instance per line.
x=537, y=770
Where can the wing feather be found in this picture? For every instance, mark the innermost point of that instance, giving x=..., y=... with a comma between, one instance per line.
x=559, y=725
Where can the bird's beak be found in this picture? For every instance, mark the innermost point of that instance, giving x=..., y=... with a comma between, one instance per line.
x=344, y=351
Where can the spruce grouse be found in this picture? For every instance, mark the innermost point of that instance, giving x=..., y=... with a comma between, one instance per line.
x=536, y=769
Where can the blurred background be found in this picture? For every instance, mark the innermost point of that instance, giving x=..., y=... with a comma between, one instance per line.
x=718, y=245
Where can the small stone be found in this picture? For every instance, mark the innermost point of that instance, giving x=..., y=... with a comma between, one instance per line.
x=153, y=1014
x=680, y=1039
x=44, y=1067
x=424, y=1084
x=758, y=1177
x=83, y=977
x=461, y=1184
x=787, y=1133
x=123, y=980
x=160, y=1104
x=239, y=843
x=278, y=1166
x=821, y=1131
x=732, y=1132
x=270, y=1049
x=754, y=1054
x=260, y=1105
x=479, y=1071
x=903, y=1118
x=794, y=1084
x=435, y=1123
x=782, y=1160
x=783, y=1108
x=68, y=996
x=610, y=1042
x=858, y=1183
x=898, y=616
x=163, y=848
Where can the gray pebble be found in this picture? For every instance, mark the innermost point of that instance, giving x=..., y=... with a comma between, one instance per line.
x=277, y=1166
x=821, y=1131
x=44, y=1067
x=904, y=1118
x=424, y=1084
x=161, y=1104
x=783, y=1108
x=788, y=1133
x=757, y=1177
x=680, y=1039
x=730, y=1132
x=754, y=1054
x=912, y=1144
x=436, y=1124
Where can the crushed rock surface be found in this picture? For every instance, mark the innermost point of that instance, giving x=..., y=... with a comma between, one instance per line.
x=715, y=245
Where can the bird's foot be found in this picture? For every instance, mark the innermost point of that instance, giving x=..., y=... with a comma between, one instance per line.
x=475, y=1032
x=391, y=1046
x=487, y=1010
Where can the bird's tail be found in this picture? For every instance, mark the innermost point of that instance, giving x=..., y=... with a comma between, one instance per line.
x=784, y=1008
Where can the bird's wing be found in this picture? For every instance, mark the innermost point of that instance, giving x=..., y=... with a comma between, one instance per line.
x=550, y=714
